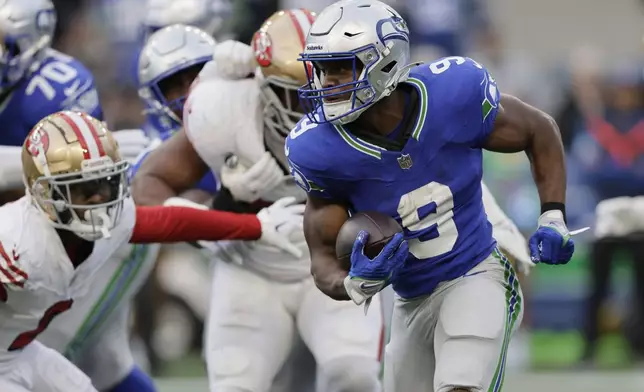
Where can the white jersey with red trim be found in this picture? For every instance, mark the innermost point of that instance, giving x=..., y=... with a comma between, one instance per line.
x=225, y=117
x=38, y=283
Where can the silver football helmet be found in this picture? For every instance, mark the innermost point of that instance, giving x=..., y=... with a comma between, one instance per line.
x=373, y=39
x=208, y=15
x=167, y=52
x=26, y=30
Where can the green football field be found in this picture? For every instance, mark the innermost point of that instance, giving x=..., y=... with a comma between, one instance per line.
x=553, y=357
x=525, y=382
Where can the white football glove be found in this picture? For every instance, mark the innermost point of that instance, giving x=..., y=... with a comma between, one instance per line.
x=278, y=220
x=619, y=216
x=234, y=60
x=250, y=184
x=131, y=143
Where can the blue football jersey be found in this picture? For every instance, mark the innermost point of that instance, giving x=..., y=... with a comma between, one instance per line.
x=59, y=83
x=159, y=125
x=432, y=186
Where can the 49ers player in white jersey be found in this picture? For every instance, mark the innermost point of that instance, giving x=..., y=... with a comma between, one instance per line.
x=76, y=214
x=261, y=298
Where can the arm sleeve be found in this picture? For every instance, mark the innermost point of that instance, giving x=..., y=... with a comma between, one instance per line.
x=160, y=224
x=473, y=102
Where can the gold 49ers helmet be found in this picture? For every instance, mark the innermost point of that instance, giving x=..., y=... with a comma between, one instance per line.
x=277, y=46
x=74, y=173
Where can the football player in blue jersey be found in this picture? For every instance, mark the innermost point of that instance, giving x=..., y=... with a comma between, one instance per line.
x=406, y=140
x=35, y=80
x=207, y=15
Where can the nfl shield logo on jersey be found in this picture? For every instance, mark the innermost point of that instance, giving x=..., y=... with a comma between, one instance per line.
x=405, y=161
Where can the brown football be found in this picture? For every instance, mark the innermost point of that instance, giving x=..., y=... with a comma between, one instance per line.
x=380, y=227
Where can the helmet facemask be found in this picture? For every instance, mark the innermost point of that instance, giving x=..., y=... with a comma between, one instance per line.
x=156, y=93
x=359, y=92
x=88, y=203
x=282, y=107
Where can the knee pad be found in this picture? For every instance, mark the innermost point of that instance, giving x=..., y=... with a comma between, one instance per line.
x=235, y=369
x=349, y=374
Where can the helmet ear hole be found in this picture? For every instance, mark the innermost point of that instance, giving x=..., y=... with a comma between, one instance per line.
x=387, y=68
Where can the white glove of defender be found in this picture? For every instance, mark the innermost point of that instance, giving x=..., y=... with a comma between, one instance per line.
x=234, y=60
x=619, y=217
x=277, y=223
x=250, y=184
x=131, y=143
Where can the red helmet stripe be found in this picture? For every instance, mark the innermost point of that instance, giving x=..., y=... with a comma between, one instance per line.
x=298, y=17
x=88, y=141
x=309, y=15
x=94, y=132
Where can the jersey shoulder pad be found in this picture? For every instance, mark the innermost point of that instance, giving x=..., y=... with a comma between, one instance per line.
x=460, y=90
x=223, y=117
x=313, y=159
x=60, y=83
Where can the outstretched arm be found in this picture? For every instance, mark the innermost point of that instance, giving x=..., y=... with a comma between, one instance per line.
x=169, y=170
x=521, y=127
x=163, y=224
x=322, y=222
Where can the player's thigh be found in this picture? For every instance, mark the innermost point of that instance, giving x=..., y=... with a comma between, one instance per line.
x=478, y=314
x=106, y=357
x=409, y=356
x=249, y=332
x=333, y=329
x=343, y=340
x=51, y=372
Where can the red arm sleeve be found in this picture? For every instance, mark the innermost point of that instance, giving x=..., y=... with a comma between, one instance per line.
x=159, y=224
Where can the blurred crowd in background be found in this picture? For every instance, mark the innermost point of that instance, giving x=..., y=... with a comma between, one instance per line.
x=596, y=98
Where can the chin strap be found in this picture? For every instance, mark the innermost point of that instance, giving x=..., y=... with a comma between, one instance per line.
x=93, y=219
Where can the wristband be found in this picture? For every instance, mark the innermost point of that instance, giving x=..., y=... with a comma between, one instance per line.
x=549, y=206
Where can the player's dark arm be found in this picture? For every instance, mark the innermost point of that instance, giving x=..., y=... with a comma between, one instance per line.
x=169, y=170
x=521, y=127
x=322, y=222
